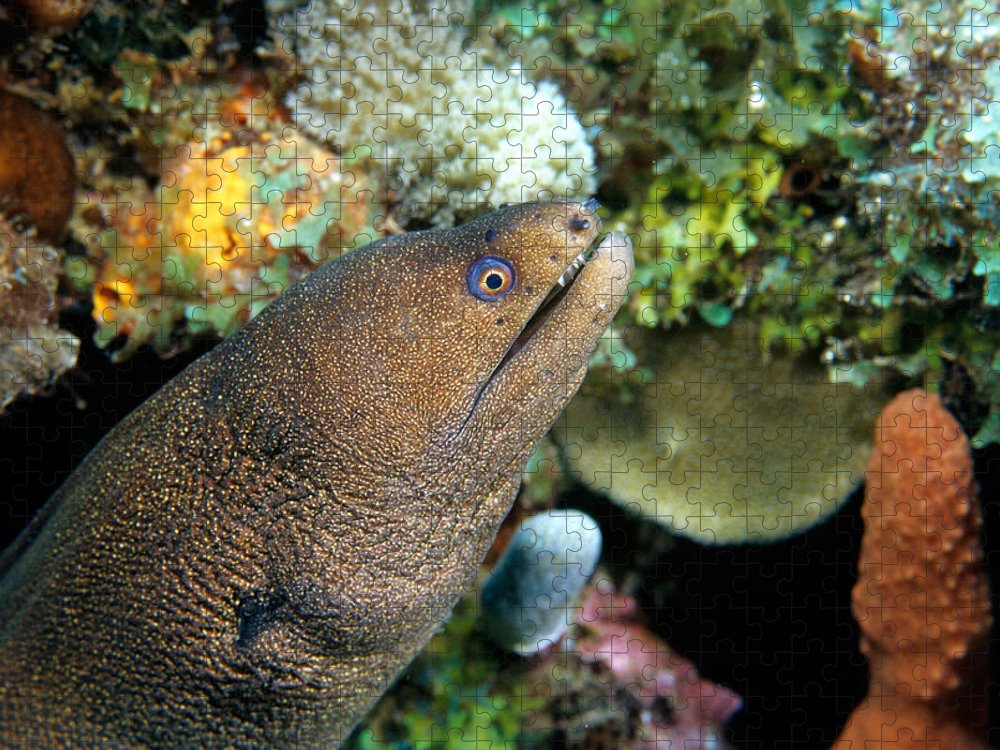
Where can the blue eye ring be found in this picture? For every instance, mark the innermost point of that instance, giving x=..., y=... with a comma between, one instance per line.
x=490, y=278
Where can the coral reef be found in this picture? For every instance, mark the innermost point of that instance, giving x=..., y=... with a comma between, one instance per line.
x=110, y=29
x=931, y=193
x=240, y=214
x=828, y=167
x=527, y=602
x=675, y=706
x=721, y=442
x=34, y=351
x=457, y=687
x=939, y=113
x=922, y=598
x=37, y=174
x=451, y=134
x=612, y=682
x=698, y=114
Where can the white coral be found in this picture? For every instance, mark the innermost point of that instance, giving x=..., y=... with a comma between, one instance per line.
x=451, y=134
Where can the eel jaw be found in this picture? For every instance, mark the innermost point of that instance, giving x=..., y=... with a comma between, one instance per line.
x=545, y=308
x=611, y=265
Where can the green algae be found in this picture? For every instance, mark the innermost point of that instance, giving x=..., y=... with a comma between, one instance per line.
x=883, y=260
x=457, y=693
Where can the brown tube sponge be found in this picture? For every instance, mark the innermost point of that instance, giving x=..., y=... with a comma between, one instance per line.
x=922, y=596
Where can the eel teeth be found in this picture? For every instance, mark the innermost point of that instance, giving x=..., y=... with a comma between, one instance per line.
x=574, y=268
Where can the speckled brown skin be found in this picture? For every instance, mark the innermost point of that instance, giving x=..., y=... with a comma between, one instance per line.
x=251, y=557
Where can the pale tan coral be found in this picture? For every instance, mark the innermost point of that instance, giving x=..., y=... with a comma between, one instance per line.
x=723, y=442
x=922, y=596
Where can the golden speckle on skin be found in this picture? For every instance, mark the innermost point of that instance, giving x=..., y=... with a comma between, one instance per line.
x=284, y=525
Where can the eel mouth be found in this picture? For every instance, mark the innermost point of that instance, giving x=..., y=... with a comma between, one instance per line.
x=546, y=307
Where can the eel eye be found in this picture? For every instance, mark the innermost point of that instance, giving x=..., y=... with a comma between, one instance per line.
x=490, y=278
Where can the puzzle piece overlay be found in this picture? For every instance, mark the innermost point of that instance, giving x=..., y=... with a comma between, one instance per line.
x=812, y=189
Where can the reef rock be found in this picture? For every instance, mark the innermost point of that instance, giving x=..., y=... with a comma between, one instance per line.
x=618, y=684
x=528, y=601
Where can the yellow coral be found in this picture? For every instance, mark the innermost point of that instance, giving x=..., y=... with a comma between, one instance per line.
x=232, y=224
x=213, y=198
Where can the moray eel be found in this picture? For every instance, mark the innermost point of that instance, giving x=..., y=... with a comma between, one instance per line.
x=251, y=557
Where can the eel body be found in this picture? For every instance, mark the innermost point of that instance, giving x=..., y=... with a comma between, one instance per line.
x=251, y=557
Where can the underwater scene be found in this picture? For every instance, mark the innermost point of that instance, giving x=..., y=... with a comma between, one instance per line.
x=445, y=374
